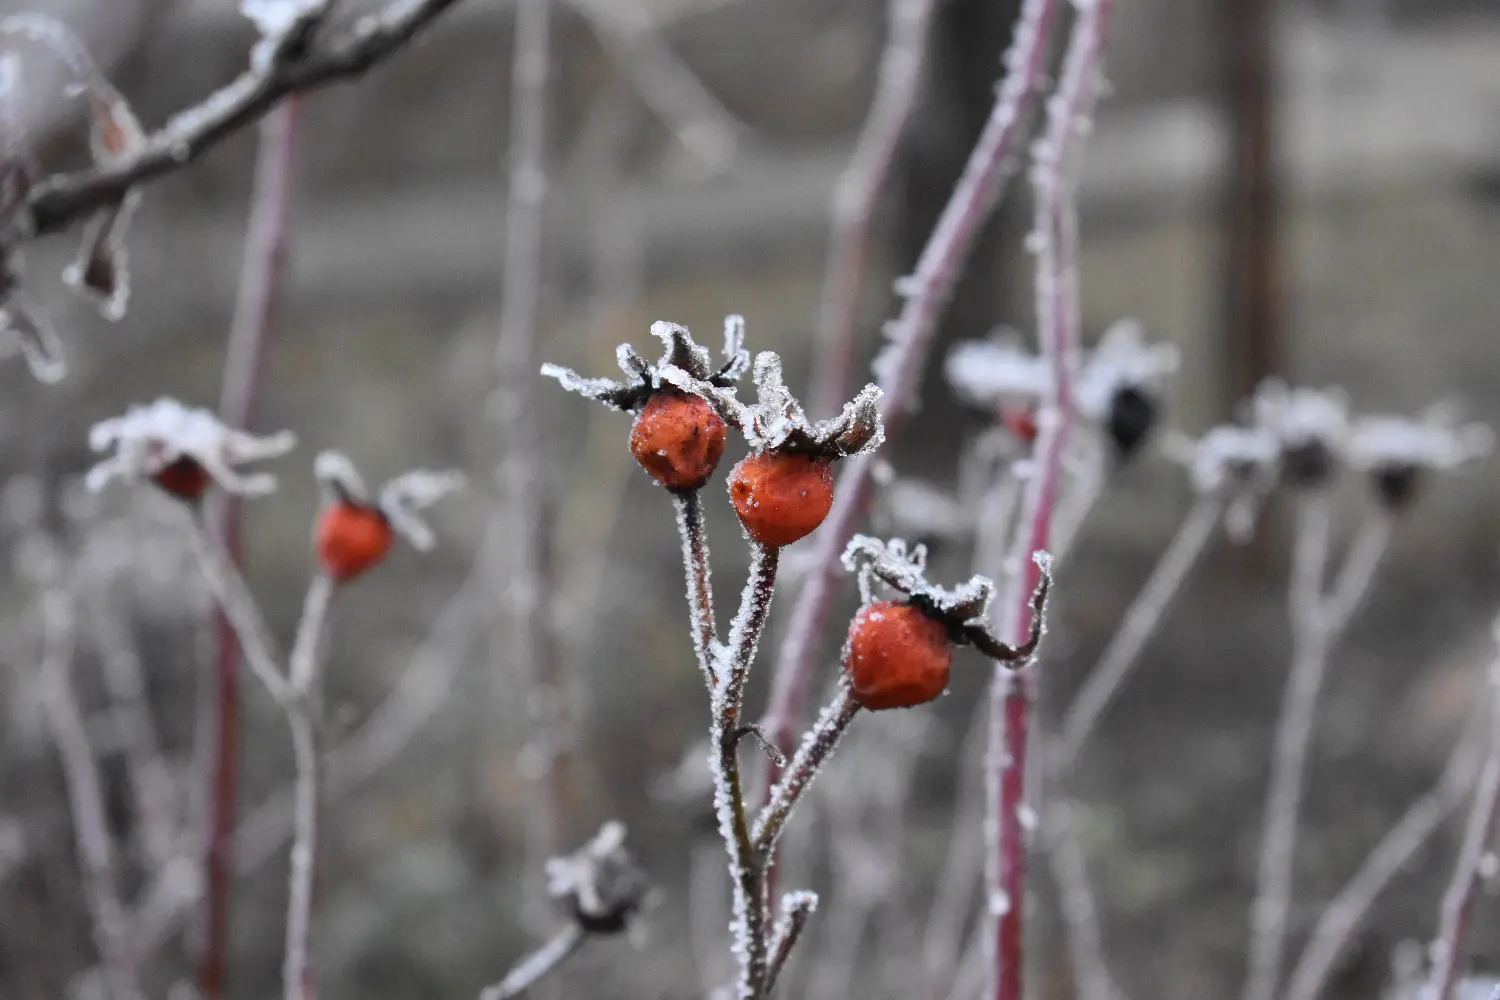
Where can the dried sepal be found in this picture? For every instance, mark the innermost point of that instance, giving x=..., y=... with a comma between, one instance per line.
x=683, y=364
x=405, y=497
x=1240, y=464
x=101, y=271
x=600, y=883
x=339, y=479
x=25, y=329
x=1311, y=426
x=1398, y=453
x=147, y=439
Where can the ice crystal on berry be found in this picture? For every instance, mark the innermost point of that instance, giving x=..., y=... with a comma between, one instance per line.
x=149, y=440
x=680, y=357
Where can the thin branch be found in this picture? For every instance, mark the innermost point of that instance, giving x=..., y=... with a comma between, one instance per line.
x=241, y=610
x=304, y=711
x=96, y=849
x=60, y=201
x=929, y=288
x=536, y=966
x=529, y=645
x=700, y=591
x=1136, y=628
x=1348, y=910
x=963, y=866
x=858, y=194
x=817, y=746
x=1079, y=911
x=1054, y=180
x=796, y=909
x=1479, y=832
x=255, y=303
x=1310, y=644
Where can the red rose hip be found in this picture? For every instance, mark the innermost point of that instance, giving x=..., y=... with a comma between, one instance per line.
x=896, y=656
x=350, y=538
x=679, y=439
x=184, y=478
x=781, y=497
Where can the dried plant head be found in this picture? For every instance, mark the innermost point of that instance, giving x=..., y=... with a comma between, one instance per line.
x=1398, y=453
x=1238, y=463
x=1311, y=427
x=962, y=610
x=152, y=440
x=680, y=354
x=600, y=883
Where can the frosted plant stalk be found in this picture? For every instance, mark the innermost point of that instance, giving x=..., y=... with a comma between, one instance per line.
x=1479, y=833
x=535, y=967
x=1054, y=182
x=700, y=593
x=857, y=195
x=1076, y=903
x=1136, y=628
x=1351, y=907
x=1318, y=620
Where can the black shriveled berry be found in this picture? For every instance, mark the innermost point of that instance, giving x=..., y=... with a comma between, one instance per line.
x=1132, y=414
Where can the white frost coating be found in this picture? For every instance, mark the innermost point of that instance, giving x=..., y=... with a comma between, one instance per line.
x=998, y=904
x=777, y=420
x=146, y=439
x=276, y=17
x=25, y=329
x=895, y=565
x=338, y=477
x=1239, y=464
x=683, y=364
x=1434, y=440
x=1300, y=416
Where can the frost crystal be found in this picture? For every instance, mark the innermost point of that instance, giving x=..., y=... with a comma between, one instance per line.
x=1435, y=440
x=682, y=361
x=777, y=421
x=147, y=439
x=891, y=563
x=401, y=500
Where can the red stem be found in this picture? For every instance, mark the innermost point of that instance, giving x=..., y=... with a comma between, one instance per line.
x=1054, y=180
x=931, y=285
x=255, y=302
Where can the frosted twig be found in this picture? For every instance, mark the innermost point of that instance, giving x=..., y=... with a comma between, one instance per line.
x=96, y=849
x=700, y=592
x=243, y=613
x=1054, y=182
x=1310, y=643
x=536, y=966
x=937, y=271
x=1350, y=587
x=304, y=711
x=1479, y=831
x=963, y=865
x=666, y=84
x=796, y=909
x=1348, y=910
x=817, y=746
x=529, y=642
x=858, y=193
x=1136, y=628
x=57, y=202
x=261, y=270
x=1076, y=903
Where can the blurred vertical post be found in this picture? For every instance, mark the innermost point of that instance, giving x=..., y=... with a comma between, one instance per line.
x=1252, y=306
x=254, y=307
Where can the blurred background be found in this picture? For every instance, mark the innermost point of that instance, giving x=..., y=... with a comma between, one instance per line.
x=1304, y=188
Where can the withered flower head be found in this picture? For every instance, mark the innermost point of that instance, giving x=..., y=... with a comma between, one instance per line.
x=1240, y=463
x=1311, y=427
x=643, y=380
x=1399, y=452
x=182, y=450
x=600, y=883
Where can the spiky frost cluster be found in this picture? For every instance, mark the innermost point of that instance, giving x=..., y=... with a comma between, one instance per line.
x=683, y=363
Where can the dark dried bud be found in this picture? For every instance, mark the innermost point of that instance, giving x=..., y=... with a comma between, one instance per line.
x=1132, y=415
x=600, y=883
x=1396, y=485
x=1307, y=465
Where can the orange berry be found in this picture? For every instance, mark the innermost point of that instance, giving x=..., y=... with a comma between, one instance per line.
x=184, y=478
x=897, y=656
x=350, y=538
x=781, y=497
x=679, y=439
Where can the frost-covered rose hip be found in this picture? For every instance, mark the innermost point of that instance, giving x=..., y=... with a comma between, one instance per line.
x=679, y=439
x=896, y=656
x=353, y=532
x=184, y=478
x=781, y=498
x=350, y=538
